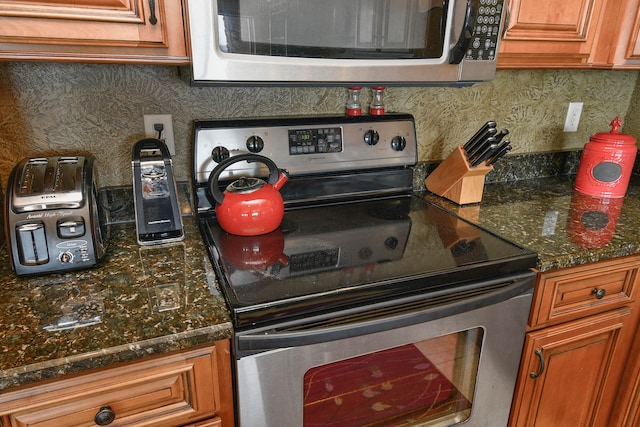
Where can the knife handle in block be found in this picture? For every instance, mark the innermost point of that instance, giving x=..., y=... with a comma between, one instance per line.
x=456, y=180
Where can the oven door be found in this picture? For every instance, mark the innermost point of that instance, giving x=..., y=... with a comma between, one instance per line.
x=440, y=365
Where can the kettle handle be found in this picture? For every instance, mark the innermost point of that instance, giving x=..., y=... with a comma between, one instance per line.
x=212, y=184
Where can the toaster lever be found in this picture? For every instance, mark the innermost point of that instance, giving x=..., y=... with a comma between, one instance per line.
x=32, y=244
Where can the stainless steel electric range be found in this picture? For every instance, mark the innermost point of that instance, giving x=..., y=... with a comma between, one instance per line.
x=364, y=285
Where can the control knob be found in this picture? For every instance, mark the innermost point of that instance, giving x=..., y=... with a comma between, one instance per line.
x=66, y=257
x=371, y=137
x=398, y=143
x=219, y=153
x=255, y=144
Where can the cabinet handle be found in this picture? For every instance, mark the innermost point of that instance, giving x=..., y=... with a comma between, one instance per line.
x=599, y=293
x=535, y=375
x=105, y=416
x=152, y=7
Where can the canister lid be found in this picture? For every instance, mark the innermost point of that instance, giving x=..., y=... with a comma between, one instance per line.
x=614, y=137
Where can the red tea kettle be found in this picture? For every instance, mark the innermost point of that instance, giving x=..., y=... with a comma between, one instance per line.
x=249, y=206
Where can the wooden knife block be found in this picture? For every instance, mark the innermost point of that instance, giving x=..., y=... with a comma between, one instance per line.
x=456, y=180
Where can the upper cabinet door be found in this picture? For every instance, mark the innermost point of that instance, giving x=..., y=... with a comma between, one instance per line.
x=93, y=30
x=622, y=50
x=551, y=33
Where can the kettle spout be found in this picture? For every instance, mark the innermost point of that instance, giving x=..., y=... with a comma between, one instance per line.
x=282, y=178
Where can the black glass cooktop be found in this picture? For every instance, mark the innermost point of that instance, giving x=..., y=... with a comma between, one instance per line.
x=330, y=257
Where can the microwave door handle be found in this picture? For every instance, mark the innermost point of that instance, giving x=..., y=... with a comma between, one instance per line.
x=457, y=52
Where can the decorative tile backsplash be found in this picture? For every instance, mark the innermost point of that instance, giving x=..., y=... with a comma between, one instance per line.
x=48, y=108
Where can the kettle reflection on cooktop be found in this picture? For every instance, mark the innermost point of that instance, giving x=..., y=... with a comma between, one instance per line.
x=315, y=240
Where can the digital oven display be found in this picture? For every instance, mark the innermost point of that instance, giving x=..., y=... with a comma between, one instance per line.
x=313, y=141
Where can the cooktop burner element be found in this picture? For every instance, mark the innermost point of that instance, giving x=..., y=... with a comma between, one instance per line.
x=353, y=234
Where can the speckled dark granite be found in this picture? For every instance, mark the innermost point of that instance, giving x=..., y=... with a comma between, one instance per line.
x=152, y=300
x=540, y=210
x=136, y=302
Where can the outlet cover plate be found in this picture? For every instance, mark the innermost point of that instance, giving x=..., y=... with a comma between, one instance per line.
x=573, y=117
x=167, y=133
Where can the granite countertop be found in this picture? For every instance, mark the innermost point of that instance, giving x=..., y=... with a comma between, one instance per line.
x=137, y=301
x=140, y=301
x=564, y=227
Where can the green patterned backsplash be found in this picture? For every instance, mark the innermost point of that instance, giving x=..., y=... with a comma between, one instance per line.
x=50, y=108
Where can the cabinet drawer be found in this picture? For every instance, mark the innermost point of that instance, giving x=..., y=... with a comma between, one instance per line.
x=584, y=290
x=168, y=391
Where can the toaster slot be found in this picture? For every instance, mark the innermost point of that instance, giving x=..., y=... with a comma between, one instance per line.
x=33, y=176
x=68, y=175
x=32, y=244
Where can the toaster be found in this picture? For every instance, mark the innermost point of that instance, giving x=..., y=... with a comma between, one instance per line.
x=53, y=219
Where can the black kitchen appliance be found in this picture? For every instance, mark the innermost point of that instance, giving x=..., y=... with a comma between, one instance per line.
x=358, y=264
x=53, y=220
x=157, y=210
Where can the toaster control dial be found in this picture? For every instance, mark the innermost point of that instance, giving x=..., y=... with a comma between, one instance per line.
x=65, y=257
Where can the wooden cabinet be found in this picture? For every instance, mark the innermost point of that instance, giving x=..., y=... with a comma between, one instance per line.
x=626, y=413
x=552, y=34
x=580, y=334
x=571, y=34
x=621, y=48
x=191, y=388
x=142, y=31
x=573, y=371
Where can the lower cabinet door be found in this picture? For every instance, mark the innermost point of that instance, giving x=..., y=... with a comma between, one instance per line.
x=570, y=372
x=626, y=412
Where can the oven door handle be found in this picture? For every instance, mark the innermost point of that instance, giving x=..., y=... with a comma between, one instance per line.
x=256, y=341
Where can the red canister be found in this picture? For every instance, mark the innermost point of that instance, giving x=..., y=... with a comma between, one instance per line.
x=606, y=163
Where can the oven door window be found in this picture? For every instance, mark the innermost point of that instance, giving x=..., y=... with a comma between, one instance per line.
x=427, y=383
x=383, y=29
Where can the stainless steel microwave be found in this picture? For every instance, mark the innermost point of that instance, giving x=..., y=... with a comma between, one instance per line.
x=344, y=42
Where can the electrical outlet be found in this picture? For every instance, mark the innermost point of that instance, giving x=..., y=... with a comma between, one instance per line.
x=573, y=117
x=166, y=135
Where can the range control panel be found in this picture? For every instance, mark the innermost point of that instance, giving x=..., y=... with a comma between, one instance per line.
x=306, y=145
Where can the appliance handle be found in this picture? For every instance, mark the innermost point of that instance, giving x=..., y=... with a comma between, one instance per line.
x=471, y=16
x=257, y=341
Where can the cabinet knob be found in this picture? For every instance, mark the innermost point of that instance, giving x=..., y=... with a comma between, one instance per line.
x=105, y=416
x=599, y=293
